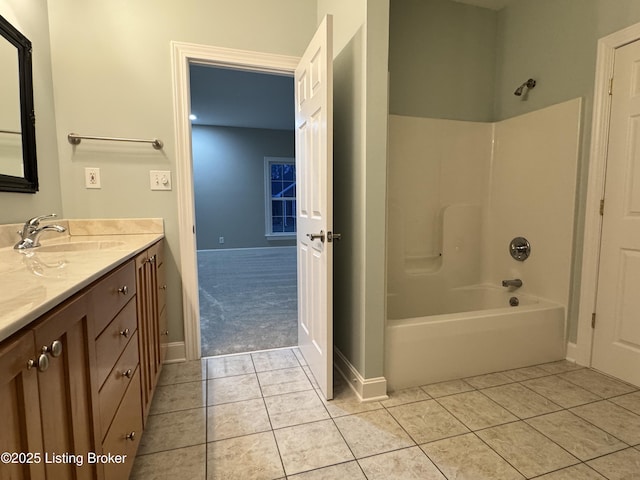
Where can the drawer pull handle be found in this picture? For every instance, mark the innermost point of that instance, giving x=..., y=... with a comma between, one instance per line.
x=165, y=333
x=125, y=333
x=124, y=290
x=163, y=287
x=130, y=436
x=128, y=373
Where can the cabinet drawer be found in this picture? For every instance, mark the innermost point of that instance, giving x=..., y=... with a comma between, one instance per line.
x=113, y=340
x=128, y=421
x=111, y=294
x=117, y=382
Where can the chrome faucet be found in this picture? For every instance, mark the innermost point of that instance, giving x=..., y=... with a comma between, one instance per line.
x=515, y=283
x=31, y=231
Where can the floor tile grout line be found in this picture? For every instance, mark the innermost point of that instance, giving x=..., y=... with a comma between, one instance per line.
x=564, y=448
x=415, y=441
x=506, y=423
x=273, y=433
x=482, y=390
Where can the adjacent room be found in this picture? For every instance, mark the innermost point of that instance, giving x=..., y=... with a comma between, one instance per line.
x=245, y=203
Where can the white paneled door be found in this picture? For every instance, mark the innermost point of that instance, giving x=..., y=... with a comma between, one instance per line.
x=314, y=179
x=616, y=348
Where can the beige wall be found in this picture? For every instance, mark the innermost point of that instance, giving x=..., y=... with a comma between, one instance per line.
x=112, y=76
x=30, y=18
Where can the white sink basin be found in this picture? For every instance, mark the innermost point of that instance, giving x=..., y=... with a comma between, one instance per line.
x=79, y=246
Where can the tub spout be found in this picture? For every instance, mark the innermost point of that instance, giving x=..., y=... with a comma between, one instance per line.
x=516, y=283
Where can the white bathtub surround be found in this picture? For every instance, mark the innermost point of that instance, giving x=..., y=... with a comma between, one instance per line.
x=458, y=193
x=488, y=336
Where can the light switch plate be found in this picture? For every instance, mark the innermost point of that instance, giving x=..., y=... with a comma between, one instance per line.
x=160, y=179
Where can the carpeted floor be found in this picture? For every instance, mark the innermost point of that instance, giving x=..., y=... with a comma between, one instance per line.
x=248, y=299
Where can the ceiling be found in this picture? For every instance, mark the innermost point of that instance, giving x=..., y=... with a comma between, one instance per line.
x=236, y=98
x=491, y=4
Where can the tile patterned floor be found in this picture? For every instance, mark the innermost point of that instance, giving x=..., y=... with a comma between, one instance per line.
x=259, y=416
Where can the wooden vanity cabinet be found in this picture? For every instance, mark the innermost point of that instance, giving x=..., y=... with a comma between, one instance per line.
x=46, y=395
x=80, y=378
x=20, y=406
x=67, y=399
x=148, y=264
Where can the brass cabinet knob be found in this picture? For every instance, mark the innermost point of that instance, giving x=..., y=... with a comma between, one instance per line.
x=130, y=436
x=123, y=290
x=128, y=373
x=125, y=333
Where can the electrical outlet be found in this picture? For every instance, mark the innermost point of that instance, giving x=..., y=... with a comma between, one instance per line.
x=160, y=179
x=221, y=240
x=92, y=177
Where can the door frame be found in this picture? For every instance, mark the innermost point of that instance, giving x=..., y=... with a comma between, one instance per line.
x=581, y=352
x=182, y=55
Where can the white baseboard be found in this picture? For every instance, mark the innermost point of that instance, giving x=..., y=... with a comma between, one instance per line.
x=175, y=352
x=577, y=354
x=367, y=389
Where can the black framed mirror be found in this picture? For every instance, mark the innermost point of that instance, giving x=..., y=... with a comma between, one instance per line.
x=18, y=163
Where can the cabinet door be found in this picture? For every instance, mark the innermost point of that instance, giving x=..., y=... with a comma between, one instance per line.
x=21, y=430
x=162, y=302
x=148, y=323
x=65, y=388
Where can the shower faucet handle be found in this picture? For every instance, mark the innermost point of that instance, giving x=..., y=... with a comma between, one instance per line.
x=516, y=283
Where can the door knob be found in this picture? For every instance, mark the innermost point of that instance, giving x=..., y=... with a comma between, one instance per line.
x=314, y=236
x=333, y=236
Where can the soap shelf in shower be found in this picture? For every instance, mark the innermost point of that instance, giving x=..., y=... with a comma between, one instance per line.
x=422, y=264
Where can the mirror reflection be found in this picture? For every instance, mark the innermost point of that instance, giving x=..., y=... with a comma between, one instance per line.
x=10, y=130
x=18, y=167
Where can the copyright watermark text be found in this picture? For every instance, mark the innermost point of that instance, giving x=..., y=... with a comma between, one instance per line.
x=79, y=460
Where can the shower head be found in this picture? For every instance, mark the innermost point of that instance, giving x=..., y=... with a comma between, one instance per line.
x=529, y=84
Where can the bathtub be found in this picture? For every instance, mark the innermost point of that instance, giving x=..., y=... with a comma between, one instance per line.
x=471, y=331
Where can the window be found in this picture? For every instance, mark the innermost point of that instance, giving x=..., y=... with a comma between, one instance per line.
x=280, y=201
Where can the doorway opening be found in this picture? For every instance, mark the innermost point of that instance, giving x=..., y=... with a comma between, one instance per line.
x=243, y=151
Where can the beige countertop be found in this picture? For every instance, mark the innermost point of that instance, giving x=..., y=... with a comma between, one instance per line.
x=34, y=281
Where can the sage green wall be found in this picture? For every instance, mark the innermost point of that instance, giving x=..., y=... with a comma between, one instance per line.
x=112, y=76
x=30, y=18
x=554, y=41
x=360, y=137
x=442, y=58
